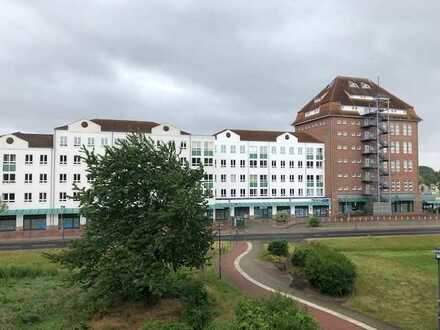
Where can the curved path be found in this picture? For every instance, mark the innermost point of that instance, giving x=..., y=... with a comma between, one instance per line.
x=261, y=279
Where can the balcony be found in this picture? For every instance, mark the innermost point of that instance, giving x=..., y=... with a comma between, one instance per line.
x=369, y=178
x=384, y=172
x=369, y=150
x=369, y=164
x=367, y=136
x=369, y=122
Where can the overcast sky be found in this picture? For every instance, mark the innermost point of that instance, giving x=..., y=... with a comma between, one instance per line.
x=207, y=65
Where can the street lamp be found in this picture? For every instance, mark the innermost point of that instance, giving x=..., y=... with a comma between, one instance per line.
x=437, y=257
x=62, y=221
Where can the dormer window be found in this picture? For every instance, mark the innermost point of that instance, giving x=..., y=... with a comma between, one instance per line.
x=365, y=85
x=352, y=84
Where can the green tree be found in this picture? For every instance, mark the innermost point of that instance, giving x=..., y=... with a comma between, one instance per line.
x=146, y=218
x=3, y=206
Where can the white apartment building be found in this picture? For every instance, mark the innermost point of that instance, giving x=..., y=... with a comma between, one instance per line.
x=250, y=173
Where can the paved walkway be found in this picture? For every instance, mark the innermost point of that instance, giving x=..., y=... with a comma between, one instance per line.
x=262, y=276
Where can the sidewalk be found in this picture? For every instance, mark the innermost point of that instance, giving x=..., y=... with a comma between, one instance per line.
x=266, y=274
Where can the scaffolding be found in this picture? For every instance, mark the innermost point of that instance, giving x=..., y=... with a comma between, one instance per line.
x=375, y=138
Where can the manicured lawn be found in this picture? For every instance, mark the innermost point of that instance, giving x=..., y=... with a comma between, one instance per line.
x=33, y=296
x=397, y=278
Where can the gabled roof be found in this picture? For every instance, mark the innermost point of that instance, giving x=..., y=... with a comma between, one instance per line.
x=268, y=136
x=36, y=140
x=114, y=125
x=339, y=91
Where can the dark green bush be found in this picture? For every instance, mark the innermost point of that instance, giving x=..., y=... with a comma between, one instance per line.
x=277, y=312
x=329, y=271
x=314, y=221
x=278, y=248
x=300, y=254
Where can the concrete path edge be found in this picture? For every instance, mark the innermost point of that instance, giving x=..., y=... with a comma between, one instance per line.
x=300, y=300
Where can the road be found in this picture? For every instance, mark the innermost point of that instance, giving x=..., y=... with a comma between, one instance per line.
x=291, y=236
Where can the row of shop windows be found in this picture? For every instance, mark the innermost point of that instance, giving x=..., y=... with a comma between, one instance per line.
x=38, y=222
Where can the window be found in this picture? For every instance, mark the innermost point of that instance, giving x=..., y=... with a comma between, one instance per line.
x=63, y=141
x=242, y=149
x=34, y=222
x=242, y=163
x=197, y=149
x=77, y=178
x=253, y=181
x=75, y=196
x=318, y=164
x=242, y=178
x=63, y=196
x=63, y=159
x=42, y=197
x=232, y=149
x=291, y=150
x=274, y=192
x=223, y=148
x=232, y=162
x=242, y=192
x=309, y=164
x=274, y=150
x=8, y=197
x=8, y=223
x=300, y=164
x=233, y=193
x=28, y=159
x=27, y=197
x=9, y=163
x=283, y=150
x=223, y=192
x=300, y=178
x=396, y=129
x=76, y=159
x=309, y=153
x=252, y=192
x=274, y=178
x=63, y=178
x=233, y=178
x=283, y=178
x=89, y=178
x=292, y=192
x=263, y=152
x=77, y=141
x=291, y=164
x=43, y=159
x=223, y=178
x=300, y=192
x=300, y=151
x=90, y=142
x=274, y=164
x=43, y=178
x=263, y=192
x=253, y=153
x=291, y=178
x=409, y=147
x=263, y=163
x=28, y=178
x=283, y=164
x=253, y=163
x=104, y=141
x=283, y=192
x=222, y=162
x=263, y=180
x=69, y=221
x=195, y=161
x=206, y=161
x=8, y=177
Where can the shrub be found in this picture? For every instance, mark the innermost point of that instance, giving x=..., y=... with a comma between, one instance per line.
x=277, y=312
x=314, y=221
x=300, y=254
x=329, y=271
x=282, y=217
x=278, y=248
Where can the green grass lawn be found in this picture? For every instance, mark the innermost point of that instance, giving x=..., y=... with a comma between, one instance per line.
x=33, y=296
x=397, y=278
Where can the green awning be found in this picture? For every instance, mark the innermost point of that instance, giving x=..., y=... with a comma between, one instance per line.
x=353, y=199
x=292, y=202
x=402, y=197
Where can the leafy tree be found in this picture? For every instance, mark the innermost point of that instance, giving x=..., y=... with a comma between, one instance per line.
x=428, y=175
x=278, y=248
x=146, y=218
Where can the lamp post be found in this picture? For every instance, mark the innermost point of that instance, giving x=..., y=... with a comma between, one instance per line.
x=437, y=257
x=62, y=221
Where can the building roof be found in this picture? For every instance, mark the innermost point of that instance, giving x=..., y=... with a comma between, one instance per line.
x=36, y=140
x=268, y=136
x=114, y=125
x=339, y=91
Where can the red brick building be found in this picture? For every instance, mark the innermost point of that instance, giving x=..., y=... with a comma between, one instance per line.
x=371, y=146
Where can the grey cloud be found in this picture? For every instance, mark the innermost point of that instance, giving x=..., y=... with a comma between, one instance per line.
x=239, y=63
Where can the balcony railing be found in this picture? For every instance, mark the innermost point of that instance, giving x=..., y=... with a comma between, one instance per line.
x=367, y=136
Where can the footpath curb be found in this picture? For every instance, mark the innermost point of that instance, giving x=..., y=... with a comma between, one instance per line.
x=300, y=300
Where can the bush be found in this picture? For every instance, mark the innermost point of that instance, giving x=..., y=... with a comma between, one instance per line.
x=278, y=248
x=282, y=217
x=329, y=271
x=300, y=254
x=277, y=312
x=158, y=325
x=314, y=221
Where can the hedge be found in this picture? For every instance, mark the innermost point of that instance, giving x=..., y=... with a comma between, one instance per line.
x=278, y=248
